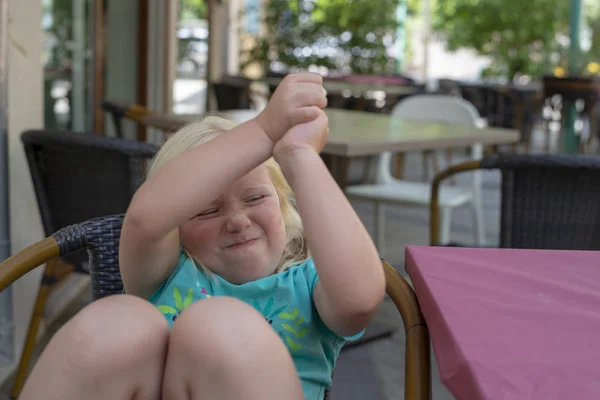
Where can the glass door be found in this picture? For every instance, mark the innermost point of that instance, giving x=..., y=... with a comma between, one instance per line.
x=189, y=87
x=67, y=64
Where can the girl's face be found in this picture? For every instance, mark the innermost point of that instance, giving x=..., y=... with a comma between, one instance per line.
x=241, y=235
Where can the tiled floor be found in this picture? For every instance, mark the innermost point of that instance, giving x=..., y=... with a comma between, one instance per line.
x=376, y=370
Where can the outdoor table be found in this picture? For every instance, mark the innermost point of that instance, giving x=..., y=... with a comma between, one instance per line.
x=359, y=134
x=359, y=86
x=511, y=324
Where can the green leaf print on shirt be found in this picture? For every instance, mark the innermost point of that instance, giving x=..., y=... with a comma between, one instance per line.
x=180, y=304
x=295, y=331
x=292, y=330
x=267, y=310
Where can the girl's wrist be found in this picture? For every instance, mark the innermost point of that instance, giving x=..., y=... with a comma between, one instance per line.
x=289, y=154
x=254, y=128
x=295, y=159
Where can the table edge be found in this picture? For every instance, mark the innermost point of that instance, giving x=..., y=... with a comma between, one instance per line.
x=506, y=136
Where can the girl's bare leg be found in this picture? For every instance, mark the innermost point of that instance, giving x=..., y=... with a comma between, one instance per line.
x=221, y=348
x=115, y=348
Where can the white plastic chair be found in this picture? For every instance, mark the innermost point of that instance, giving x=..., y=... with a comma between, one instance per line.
x=385, y=189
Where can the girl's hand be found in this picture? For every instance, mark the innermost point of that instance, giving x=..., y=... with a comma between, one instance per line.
x=297, y=99
x=309, y=135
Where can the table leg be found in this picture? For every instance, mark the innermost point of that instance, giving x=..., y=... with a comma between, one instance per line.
x=399, y=165
x=327, y=159
x=342, y=171
x=368, y=172
x=361, y=103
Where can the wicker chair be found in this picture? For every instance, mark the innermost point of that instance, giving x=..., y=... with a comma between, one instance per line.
x=100, y=236
x=548, y=201
x=76, y=176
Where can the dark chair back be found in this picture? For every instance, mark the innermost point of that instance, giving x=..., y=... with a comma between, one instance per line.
x=100, y=237
x=79, y=176
x=478, y=97
x=549, y=201
x=233, y=93
x=449, y=87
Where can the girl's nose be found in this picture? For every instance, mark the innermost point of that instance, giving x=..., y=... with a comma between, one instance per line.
x=237, y=222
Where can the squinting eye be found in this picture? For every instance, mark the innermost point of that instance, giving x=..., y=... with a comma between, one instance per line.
x=254, y=198
x=208, y=212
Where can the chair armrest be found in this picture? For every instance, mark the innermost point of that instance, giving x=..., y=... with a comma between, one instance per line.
x=26, y=260
x=417, y=379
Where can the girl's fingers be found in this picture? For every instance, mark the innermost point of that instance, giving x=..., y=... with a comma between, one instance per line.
x=304, y=114
x=309, y=77
x=311, y=94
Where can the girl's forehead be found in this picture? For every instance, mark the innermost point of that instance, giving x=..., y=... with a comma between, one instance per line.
x=257, y=179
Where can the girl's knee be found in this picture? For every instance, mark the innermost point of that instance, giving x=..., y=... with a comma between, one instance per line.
x=222, y=329
x=115, y=331
x=221, y=340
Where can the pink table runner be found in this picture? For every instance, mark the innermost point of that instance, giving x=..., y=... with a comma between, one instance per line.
x=512, y=324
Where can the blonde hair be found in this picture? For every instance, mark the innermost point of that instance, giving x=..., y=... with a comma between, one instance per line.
x=201, y=132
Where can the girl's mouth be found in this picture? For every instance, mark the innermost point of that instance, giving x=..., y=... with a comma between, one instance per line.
x=240, y=245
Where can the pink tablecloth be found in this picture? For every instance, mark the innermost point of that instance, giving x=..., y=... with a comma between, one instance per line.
x=512, y=324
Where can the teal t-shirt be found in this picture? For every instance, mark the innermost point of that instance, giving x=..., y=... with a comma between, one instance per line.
x=284, y=299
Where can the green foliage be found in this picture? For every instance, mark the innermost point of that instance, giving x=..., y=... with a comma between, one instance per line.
x=592, y=12
x=190, y=10
x=61, y=29
x=347, y=36
x=413, y=6
x=519, y=36
x=193, y=9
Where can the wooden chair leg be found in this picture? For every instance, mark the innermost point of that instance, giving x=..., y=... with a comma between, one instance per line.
x=48, y=280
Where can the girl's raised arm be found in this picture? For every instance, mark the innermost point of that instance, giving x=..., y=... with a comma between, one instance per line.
x=351, y=280
x=189, y=182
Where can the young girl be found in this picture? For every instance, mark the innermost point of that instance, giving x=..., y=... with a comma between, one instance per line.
x=260, y=289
